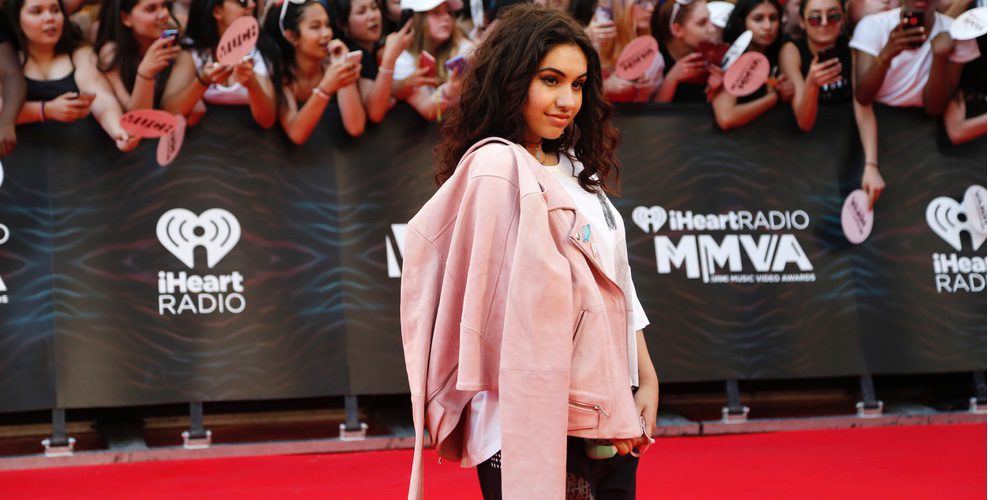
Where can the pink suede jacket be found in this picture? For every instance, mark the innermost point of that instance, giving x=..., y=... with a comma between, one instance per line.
x=501, y=291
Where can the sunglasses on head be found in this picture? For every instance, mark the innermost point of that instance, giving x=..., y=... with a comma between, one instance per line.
x=284, y=9
x=817, y=19
x=675, y=11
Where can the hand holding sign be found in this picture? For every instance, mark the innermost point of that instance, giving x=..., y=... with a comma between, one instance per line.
x=970, y=25
x=637, y=57
x=737, y=48
x=238, y=41
x=747, y=74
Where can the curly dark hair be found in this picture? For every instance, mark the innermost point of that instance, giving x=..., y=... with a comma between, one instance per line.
x=495, y=89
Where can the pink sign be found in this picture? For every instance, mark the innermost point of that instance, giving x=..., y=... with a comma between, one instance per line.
x=238, y=40
x=747, y=74
x=170, y=144
x=148, y=123
x=856, y=218
x=637, y=57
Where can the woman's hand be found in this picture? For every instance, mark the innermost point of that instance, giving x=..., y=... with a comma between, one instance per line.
x=339, y=75
x=68, y=107
x=688, y=68
x=395, y=44
x=822, y=73
x=786, y=88
x=872, y=183
x=216, y=73
x=602, y=33
x=125, y=142
x=243, y=72
x=160, y=54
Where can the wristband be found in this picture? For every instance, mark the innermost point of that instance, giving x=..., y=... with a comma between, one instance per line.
x=386, y=71
x=872, y=163
x=41, y=110
x=320, y=93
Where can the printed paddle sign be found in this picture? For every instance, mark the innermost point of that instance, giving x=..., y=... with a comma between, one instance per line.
x=856, y=219
x=148, y=123
x=737, y=48
x=238, y=41
x=970, y=25
x=170, y=144
x=747, y=74
x=637, y=57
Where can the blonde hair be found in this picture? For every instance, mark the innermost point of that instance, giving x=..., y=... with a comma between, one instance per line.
x=627, y=30
x=444, y=52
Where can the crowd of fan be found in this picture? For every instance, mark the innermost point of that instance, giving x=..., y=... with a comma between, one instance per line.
x=63, y=60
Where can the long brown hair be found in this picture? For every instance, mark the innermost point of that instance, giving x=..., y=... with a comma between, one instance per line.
x=495, y=90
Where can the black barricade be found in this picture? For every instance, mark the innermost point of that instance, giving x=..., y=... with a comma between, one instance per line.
x=252, y=269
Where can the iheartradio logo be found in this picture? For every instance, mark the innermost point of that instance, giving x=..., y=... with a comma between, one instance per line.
x=948, y=218
x=181, y=231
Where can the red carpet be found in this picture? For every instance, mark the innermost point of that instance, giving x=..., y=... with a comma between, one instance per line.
x=936, y=462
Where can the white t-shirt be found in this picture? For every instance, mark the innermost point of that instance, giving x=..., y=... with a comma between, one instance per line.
x=908, y=71
x=229, y=95
x=483, y=420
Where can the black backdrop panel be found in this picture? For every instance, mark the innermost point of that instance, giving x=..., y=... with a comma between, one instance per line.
x=316, y=265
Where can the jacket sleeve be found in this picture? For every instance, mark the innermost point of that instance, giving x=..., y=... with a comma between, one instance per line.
x=535, y=361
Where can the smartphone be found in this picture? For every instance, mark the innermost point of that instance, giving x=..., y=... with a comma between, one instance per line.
x=354, y=56
x=169, y=33
x=827, y=54
x=914, y=19
x=604, y=14
x=406, y=14
x=427, y=61
x=458, y=64
x=89, y=96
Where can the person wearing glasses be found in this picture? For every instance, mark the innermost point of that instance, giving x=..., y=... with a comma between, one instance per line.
x=199, y=77
x=818, y=81
x=761, y=17
x=632, y=18
x=681, y=26
x=133, y=55
x=312, y=72
x=63, y=84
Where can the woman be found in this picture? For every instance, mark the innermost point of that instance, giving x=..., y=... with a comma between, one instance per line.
x=681, y=27
x=814, y=81
x=133, y=56
x=63, y=83
x=632, y=18
x=519, y=265
x=308, y=81
x=358, y=23
x=761, y=17
x=198, y=76
x=430, y=92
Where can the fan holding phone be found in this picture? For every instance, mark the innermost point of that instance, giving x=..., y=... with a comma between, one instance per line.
x=819, y=64
x=422, y=76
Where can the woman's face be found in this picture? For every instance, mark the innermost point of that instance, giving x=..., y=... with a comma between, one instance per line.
x=641, y=12
x=696, y=26
x=394, y=10
x=147, y=19
x=364, y=22
x=439, y=24
x=822, y=21
x=42, y=21
x=763, y=21
x=229, y=11
x=555, y=93
x=314, y=32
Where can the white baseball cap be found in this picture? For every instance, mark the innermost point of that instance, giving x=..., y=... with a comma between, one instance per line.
x=719, y=12
x=427, y=5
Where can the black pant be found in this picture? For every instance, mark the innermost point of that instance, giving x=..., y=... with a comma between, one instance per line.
x=586, y=478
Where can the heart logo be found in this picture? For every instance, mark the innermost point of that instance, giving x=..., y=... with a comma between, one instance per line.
x=949, y=219
x=181, y=231
x=649, y=219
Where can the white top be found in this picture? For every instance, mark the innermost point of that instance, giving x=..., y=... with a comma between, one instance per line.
x=908, y=71
x=483, y=419
x=230, y=95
